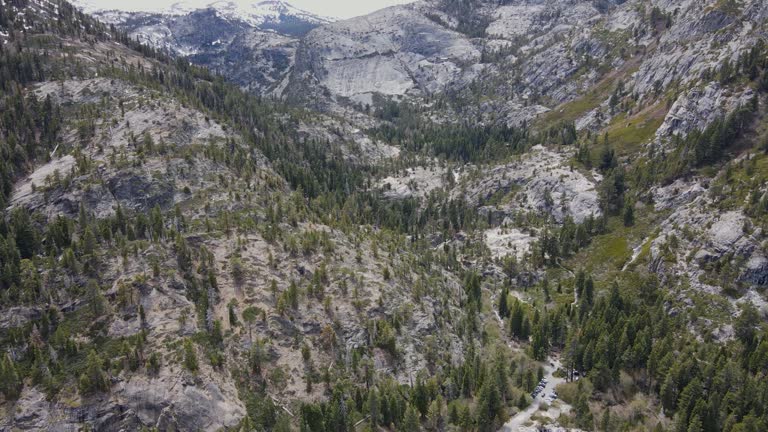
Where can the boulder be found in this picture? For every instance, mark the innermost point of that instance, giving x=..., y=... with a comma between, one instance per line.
x=756, y=270
x=139, y=192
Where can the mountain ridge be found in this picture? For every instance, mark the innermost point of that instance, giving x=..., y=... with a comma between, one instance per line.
x=254, y=13
x=254, y=41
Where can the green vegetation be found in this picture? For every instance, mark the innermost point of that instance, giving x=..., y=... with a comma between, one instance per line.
x=464, y=142
x=284, y=237
x=597, y=94
x=628, y=134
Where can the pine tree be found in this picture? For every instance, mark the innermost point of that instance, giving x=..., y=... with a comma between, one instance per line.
x=246, y=424
x=607, y=158
x=95, y=298
x=183, y=254
x=685, y=404
x=89, y=243
x=516, y=319
x=695, y=424
x=488, y=406
x=411, y=420
x=764, y=82
x=250, y=314
x=420, y=398
x=589, y=291
x=584, y=419
x=93, y=379
x=539, y=343
x=373, y=407
x=190, y=357
x=629, y=214
x=153, y=364
x=473, y=290
x=157, y=226
x=10, y=382
x=292, y=295
x=503, y=306
x=435, y=414
x=238, y=270
x=581, y=279
x=605, y=422
x=669, y=393
x=611, y=191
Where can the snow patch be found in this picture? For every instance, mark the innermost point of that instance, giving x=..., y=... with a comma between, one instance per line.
x=255, y=14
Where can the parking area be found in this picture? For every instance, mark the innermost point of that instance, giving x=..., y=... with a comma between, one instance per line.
x=541, y=390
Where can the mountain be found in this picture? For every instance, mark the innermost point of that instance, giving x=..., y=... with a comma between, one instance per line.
x=451, y=215
x=534, y=55
x=526, y=57
x=129, y=138
x=394, y=52
x=264, y=15
x=253, y=42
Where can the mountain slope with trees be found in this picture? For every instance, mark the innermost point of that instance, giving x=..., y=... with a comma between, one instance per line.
x=179, y=253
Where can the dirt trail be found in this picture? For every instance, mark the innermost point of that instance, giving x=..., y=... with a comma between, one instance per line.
x=519, y=421
x=552, y=364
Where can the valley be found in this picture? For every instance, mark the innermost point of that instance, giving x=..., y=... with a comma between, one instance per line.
x=245, y=216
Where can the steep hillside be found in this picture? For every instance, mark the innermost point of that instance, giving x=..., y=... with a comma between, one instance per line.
x=458, y=215
x=158, y=269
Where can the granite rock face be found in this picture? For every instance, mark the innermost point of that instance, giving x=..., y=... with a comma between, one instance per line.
x=699, y=107
x=697, y=236
x=395, y=51
x=494, y=64
x=165, y=402
x=253, y=44
x=541, y=182
x=527, y=57
x=187, y=403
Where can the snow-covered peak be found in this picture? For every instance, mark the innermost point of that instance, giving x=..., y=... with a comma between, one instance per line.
x=255, y=13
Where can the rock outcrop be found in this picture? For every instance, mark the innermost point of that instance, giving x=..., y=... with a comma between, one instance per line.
x=394, y=52
x=540, y=182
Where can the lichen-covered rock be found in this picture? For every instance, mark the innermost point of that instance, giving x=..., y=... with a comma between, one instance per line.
x=416, y=182
x=33, y=412
x=18, y=316
x=698, y=236
x=508, y=242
